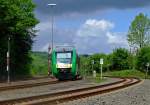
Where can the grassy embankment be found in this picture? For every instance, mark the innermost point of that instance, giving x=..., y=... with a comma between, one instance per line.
x=127, y=73
x=122, y=73
x=39, y=64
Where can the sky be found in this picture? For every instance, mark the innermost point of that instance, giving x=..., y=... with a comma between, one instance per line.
x=92, y=26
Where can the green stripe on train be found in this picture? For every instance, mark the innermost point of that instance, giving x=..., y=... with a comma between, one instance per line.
x=53, y=63
x=74, y=58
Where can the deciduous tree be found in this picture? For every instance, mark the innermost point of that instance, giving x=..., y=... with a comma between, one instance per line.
x=139, y=31
x=17, y=21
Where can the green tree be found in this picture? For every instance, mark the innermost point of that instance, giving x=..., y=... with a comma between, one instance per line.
x=120, y=59
x=143, y=57
x=139, y=31
x=17, y=21
x=132, y=61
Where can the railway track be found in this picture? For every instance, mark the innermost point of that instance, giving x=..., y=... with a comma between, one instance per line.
x=54, y=98
x=31, y=83
x=27, y=84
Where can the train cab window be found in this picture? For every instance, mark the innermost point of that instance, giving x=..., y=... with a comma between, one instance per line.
x=64, y=57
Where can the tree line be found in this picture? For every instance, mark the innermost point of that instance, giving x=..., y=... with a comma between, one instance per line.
x=136, y=57
x=119, y=59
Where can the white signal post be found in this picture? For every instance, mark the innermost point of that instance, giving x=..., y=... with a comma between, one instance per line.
x=8, y=61
x=92, y=64
x=147, y=69
x=101, y=63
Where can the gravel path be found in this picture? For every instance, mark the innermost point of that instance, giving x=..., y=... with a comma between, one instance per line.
x=136, y=95
x=52, y=88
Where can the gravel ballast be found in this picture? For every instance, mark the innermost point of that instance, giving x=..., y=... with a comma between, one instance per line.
x=134, y=95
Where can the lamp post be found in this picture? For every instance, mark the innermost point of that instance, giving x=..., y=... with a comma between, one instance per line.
x=52, y=19
x=50, y=48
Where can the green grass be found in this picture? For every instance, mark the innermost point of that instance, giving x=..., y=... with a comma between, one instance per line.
x=127, y=73
x=98, y=80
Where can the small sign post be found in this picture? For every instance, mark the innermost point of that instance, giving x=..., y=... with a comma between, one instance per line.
x=101, y=63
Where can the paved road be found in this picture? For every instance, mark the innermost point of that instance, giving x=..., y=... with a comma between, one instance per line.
x=135, y=95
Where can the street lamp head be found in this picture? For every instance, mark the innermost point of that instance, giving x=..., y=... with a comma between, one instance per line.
x=51, y=4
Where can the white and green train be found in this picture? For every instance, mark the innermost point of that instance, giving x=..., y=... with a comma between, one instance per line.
x=65, y=63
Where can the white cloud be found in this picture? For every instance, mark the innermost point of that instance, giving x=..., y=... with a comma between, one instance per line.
x=95, y=36
x=93, y=27
x=43, y=26
x=116, y=38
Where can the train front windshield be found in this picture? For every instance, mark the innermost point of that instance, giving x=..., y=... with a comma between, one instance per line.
x=64, y=57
